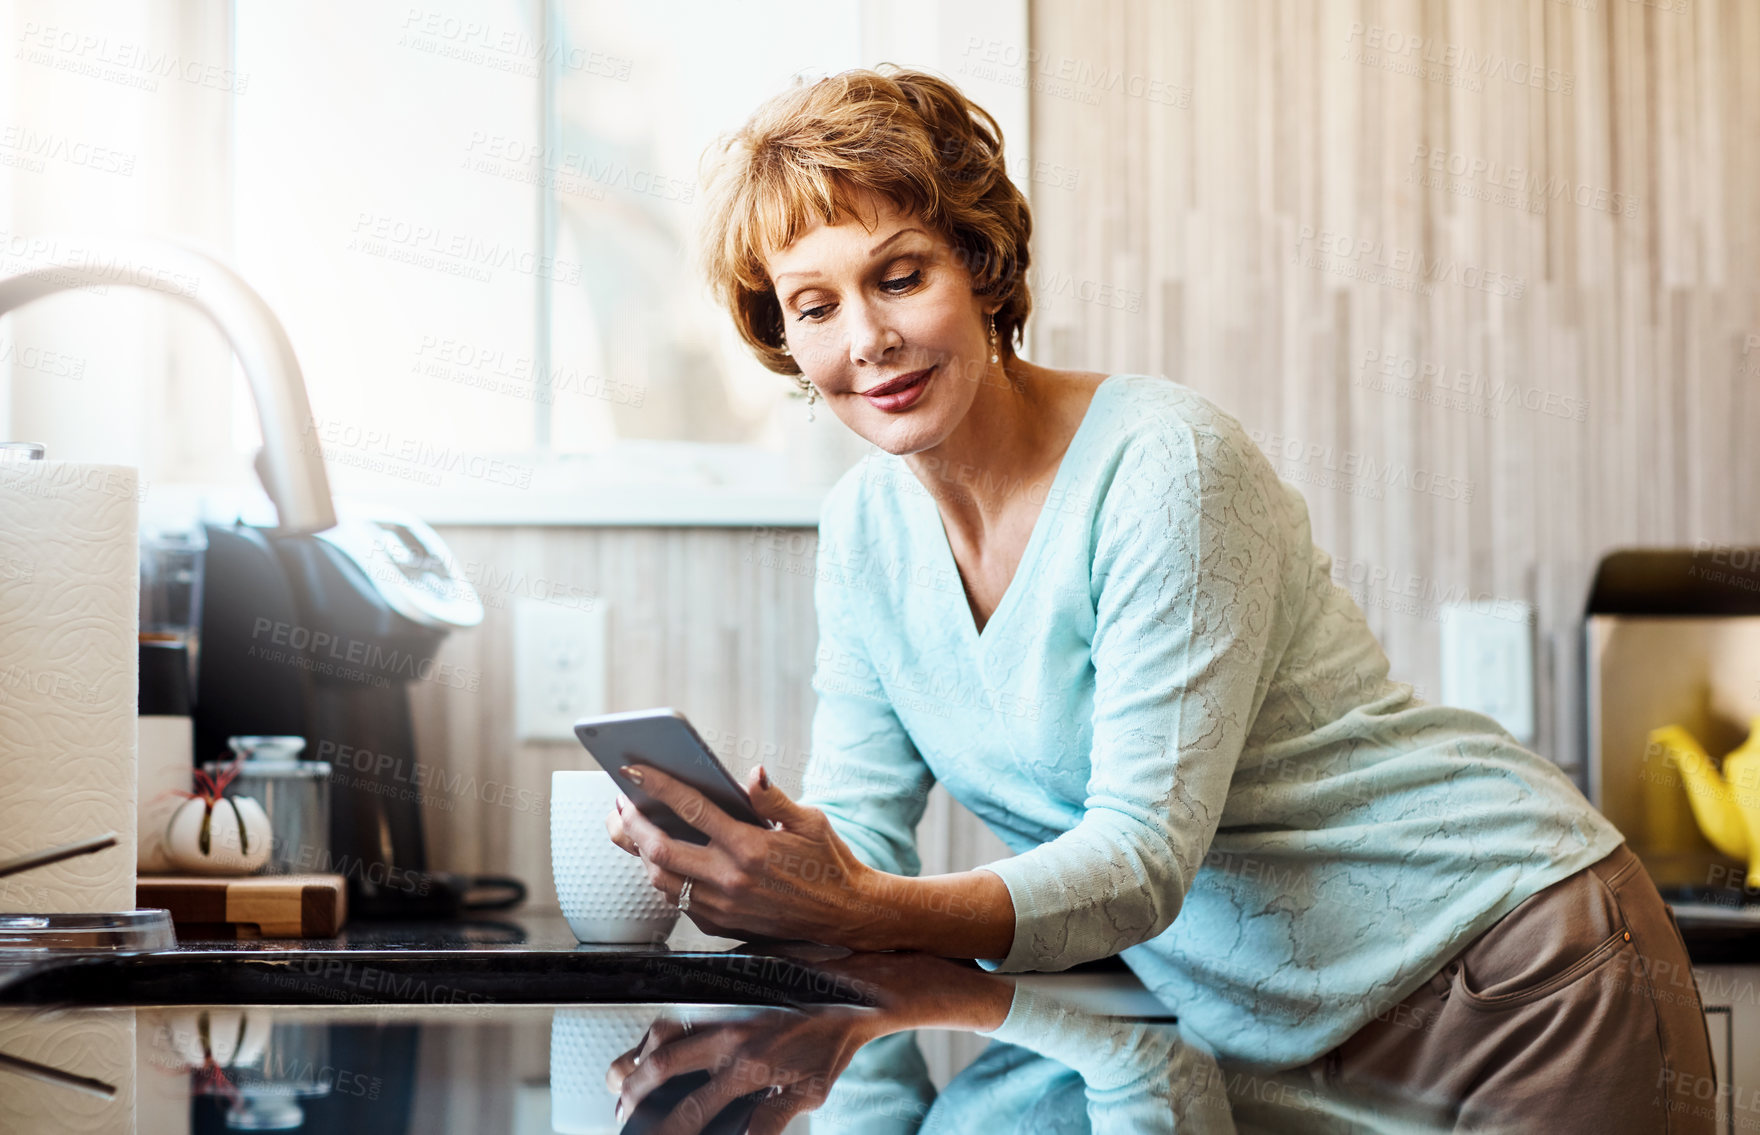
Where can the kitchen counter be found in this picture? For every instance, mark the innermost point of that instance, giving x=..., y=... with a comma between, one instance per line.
x=845, y=1035
x=520, y=959
x=510, y=1025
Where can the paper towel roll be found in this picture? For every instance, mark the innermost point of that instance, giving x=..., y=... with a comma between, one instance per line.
x=69, y=613
x=91, y=1044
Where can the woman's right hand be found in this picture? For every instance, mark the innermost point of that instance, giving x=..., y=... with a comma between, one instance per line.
x=614, y=827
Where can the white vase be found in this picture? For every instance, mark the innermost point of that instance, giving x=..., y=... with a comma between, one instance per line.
x=604, y=890
x=239, y=836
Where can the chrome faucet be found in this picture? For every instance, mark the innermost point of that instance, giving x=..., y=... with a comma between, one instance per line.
x=292, y=474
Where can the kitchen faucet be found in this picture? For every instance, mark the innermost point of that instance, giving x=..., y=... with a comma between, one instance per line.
x=292, y=474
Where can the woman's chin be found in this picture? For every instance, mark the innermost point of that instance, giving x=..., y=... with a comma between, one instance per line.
x=903, y=437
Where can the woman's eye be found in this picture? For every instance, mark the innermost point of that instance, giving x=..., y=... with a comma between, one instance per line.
x=897, y=286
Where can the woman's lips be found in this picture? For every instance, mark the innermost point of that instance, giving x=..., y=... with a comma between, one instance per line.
x=900, y=397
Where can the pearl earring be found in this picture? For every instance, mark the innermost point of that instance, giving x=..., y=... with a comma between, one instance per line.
x=811, y=392
x=807, y=388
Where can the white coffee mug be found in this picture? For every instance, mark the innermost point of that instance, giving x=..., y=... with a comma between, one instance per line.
x=604, y=890
x=584, y=1041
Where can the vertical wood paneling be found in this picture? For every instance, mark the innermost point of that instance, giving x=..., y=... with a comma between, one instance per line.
x=689, y=624
x=715, y=621
x=1641, y=314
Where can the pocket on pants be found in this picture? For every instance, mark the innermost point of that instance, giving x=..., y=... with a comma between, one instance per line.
x=1549, y=942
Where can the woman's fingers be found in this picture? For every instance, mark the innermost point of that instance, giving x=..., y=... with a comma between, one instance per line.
x=774, y=1113
x=668, y=883
x=615, y=829
x=659, y=849
x=690, y=805
x=699, y=1051
x=770, y=801
x=665, y=1030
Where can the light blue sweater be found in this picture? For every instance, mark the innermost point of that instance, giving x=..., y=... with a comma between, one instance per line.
x=1183, y=728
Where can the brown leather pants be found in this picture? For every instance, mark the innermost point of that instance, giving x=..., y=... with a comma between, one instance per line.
x=1577, y=1011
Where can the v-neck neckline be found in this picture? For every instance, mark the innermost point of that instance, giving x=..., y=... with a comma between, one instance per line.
x=1023, y=571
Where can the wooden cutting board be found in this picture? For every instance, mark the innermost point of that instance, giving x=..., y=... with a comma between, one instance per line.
x=251, y=906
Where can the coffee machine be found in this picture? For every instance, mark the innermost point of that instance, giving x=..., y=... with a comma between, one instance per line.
x=321, y=636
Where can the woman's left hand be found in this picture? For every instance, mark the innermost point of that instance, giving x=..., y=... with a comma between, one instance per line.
x=791, y=1056
x=797, y=879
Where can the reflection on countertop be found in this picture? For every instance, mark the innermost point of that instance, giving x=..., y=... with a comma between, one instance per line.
x=523, y=959
x=1053, y=1063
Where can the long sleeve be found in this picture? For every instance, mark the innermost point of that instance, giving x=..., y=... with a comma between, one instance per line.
x=1189, y=550
x=864, y=771
x=1139, y=1076
x=886, y=1090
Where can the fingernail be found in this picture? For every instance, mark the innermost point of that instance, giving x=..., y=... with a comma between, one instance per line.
x=638, y=1062
x=619, y=1111
x=631, y=771
x=763, y=778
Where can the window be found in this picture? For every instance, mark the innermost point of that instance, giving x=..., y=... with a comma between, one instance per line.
x=481, y=238
x=475, y=218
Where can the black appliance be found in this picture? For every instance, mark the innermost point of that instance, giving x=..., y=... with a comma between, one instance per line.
x=321, y=636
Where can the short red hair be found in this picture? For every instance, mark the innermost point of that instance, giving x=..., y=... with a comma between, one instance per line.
x=806, y=154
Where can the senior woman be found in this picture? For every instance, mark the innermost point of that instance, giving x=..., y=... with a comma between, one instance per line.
x=1086, y=604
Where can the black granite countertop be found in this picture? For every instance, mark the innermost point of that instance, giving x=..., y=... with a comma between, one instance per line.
x=510, y=960
x=395, y=1027
x=520, y=959
x=907, y=1055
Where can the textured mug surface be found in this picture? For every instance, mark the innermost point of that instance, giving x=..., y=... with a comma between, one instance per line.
x=583, y=1043
x=604, y=890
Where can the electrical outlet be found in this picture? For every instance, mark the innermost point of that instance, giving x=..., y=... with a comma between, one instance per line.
x=558, y=667
x=1488, y=662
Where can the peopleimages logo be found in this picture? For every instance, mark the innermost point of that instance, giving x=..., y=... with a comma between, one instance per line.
x=128, y=64
x=1377, y=261
x=384, y=452
x=453, y=253
x=1358, y=468
x=441, y=786
x=1062, y=76
x=502, y=48
x=309, y=646
x=29, y=149
x=1379, y=45
x=1430, y=381
x=1466, y=174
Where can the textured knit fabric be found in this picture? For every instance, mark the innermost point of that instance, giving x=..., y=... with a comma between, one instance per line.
x=1182, y=727
x=1052, y=1067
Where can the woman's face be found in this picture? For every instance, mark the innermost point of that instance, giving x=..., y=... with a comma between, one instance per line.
x=879, y=315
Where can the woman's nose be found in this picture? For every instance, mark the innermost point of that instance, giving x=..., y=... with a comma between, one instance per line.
x=871, y=335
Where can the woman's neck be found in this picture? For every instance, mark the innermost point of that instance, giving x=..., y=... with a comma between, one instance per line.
x=1011, y=437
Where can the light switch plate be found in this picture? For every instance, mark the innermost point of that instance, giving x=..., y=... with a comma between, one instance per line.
x=1488, y=662
x=558, y=667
